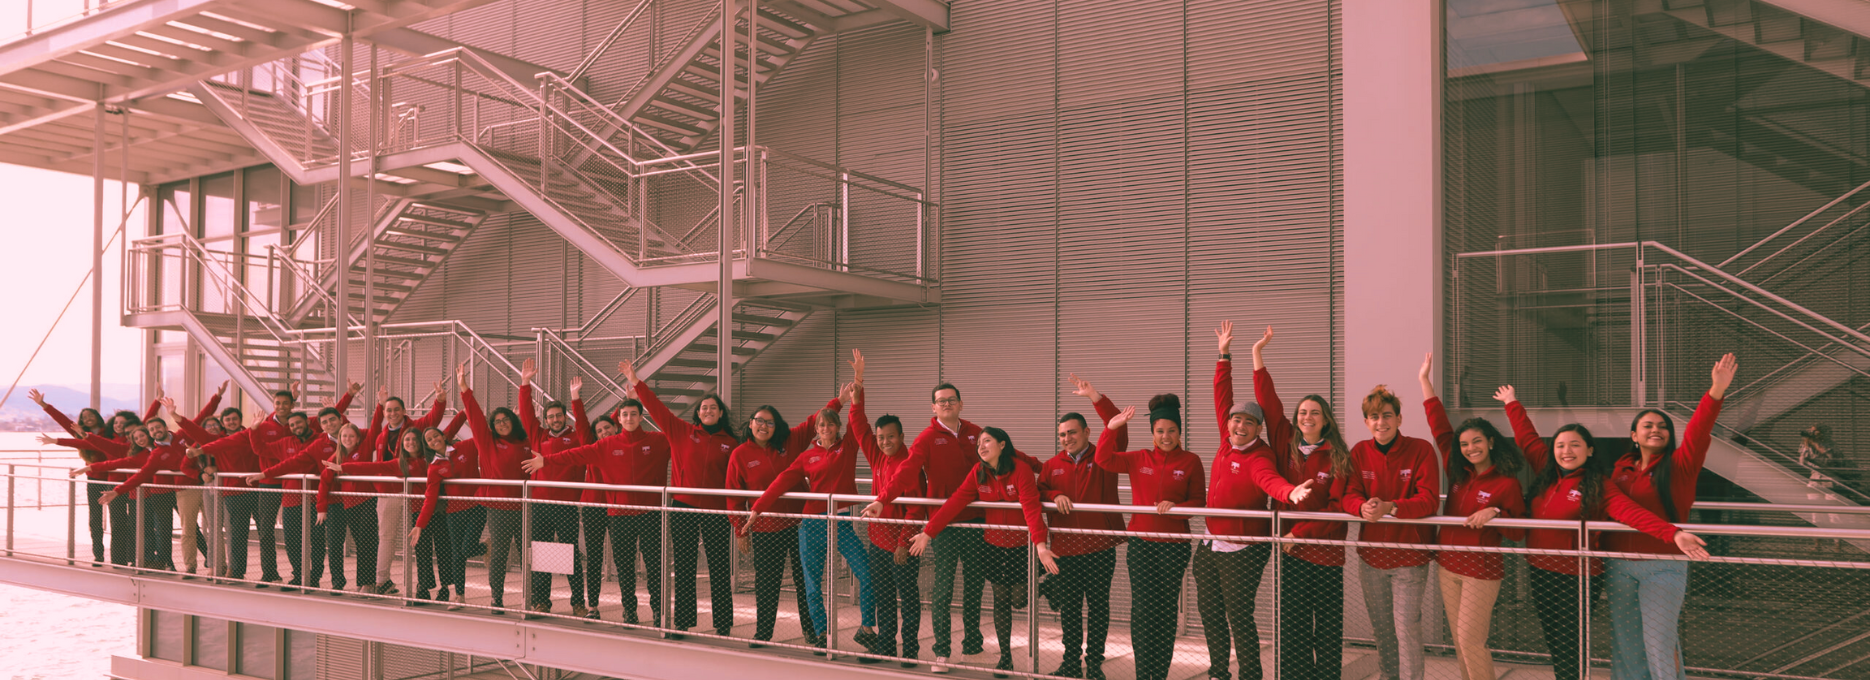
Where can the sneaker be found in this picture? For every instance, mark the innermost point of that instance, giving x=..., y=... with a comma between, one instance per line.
x=972, y=646
x=1006, y=664
x=454, y=603
x=592, y=614
x=867, y=639
x=629, y=614
x=579, y=611
x=940, y=665
x=1093, y=669
x=387, y=588
x=422, y=596
x=816, y=641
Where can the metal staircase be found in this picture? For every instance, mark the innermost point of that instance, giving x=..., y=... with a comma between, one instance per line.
x=1811, y=41
x=408, y=242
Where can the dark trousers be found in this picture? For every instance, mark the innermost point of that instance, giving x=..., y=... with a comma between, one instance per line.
x=502, y=534
x=360, y=522
x=897, y=592
x=122, y=512
x=237, y=510
x=1082, y=596
x=265, y=517
x=952, y=549
x=594, y=522
x=1006, y=570
x=96, y=512
x=772, y=551
x=630, y=534
x=1156, y=570
x=303, y=534
x=556, y=523
x=158, y=531
x=689, y=531
x=431, y=550
x=464, y=527
x=1311, y=620
x=1226, y=585
x=1555, y=599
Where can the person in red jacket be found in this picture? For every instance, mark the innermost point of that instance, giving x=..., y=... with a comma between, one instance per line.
x=299, y=454
x=771, y=448
x=391, y=509
x=355, y=513
x=89, y=422
x=552, y=520
x=893, y=571
x=1396, y=476
x=462, y=517
x=1484, y=478
x=698, y=451
x=1308, y=446
x=1572, y=483
x=411, y=462
x=1162, y=478
x=236, y=452
x=1659, y=473
x=503, y=445
x=1000, y=476
x=628, y=456
x=593, y=518
x=1086, y=562
x=1227, y=571
x=162, y=452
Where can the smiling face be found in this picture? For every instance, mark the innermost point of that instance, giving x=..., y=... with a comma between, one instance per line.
x=89, y=420
x=158, y=430
x=1073, y=436
x=1243, y=427
x=1570, y=450
x=947, y=405
x=555, y=418
x=230, y=421
x=300, y=425
x=710, y=412
x=828, y=432
x=503, y=424
x=120, y=424
x=394, y=413
x=282, y=403
x=410, y=443
x=1476, y=448
x=1165, y=434
x=890, y=438
x=989, y=450
x=349, y=439
x=437, y=441
x=630, y=418
x=762, y=426
x=1310, y=417
x=330, y=423
x=605, y=428
x=213, y=426
x=1384, y=424
x=140, y=436
x=1652, y=433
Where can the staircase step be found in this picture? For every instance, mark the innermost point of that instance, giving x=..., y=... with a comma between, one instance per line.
x=783, y=25
x=693, y=91
x=713, y=73
x=743, y=335
x=410, y=232
x=709, y=348
x=439, y=222
x=670, y=125
x=666, y=392
x=404, y=262
x=413, y=248
x=767, y=67
x=683, y=377
x=692, y=363
x=685, y=108
x=358, y=284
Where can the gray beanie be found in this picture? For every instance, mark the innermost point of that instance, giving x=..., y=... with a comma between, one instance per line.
x=1251, y=409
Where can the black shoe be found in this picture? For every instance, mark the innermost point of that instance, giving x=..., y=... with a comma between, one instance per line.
x=1093, y=670
x=756, y=645
x=816, y=641
x=1006, y=664
x=972, y=646
x=421, y=595
x=678, y=634
x=908, y=664
x=1069, y=669
x=868, y=640
x=724, y=632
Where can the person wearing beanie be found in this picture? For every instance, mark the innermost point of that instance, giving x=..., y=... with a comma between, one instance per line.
x=1163, y=477
x=1227, y=571
x=1395, y=476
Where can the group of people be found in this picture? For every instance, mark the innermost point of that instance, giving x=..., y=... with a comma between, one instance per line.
x=1266, y=460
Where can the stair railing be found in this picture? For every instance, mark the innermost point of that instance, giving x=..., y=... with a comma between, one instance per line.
x=200, y=268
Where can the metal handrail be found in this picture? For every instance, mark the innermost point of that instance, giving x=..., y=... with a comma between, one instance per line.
x=811, y=207
x=1784, y=460
x=291, y=249
x=609, y=40
x=691, y=314
x=1861, y=350
x=194, y=250
x=1794, y=225
x=609, y=385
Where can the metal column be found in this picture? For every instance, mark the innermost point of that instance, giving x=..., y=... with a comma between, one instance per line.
x=97, y=258
x=724, y=336
x=342, y=308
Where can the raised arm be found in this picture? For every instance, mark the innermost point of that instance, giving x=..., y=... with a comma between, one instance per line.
x=580, y=422
x=455, y=423
x=1224, y=378
x=56, y=415
x=434, y=416
x=1701, y=427
x=528, y=418
x=1109, y=455
x=1525, y=434
x=1444, y=432
x=213, y=405
x=658, y=412
x=1278, y=428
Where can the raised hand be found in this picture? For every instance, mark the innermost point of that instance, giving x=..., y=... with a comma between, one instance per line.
x=438, y=387
x=223, y=388
x=36, y=396
x=168, y=404
x=1426, y=375
x=1259, y=359
x=354, y=387
x=527, y=370
x=1505, y=395
x=628, y=370
x=848, y=393
x=1225, y=336
x=48, y=440
x=1692, y=545
x=533, y=464
x=1300, y=492
x=383, y=393
x=1723, y=375
x=576, y=385
x=857, y=366
x=1123, y=417
x=1083, y=388
x=295, y=387
x=461, y=380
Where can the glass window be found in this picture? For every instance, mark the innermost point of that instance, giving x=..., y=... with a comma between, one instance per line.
x=169, y=372
x=219, y=215
x=165, y=635
x=259, y=650
x=210, y=643
x=166, y=272
x=301, y=655
x=211, y=378
x=264, y=207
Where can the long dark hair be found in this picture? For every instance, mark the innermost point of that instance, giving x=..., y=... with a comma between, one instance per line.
x=130, y=419
x=1590, y=482
x=1663, y=469
x=782, y=430
x=1505, y=455
x=403, y=457
x=722, y=426
x=1007, y=458
x=519, y=429
x=1332, y=434
x=103, y=426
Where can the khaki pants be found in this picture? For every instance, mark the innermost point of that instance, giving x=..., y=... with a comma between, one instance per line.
x=390, y=530
x=188, y=507
x=1469, y=602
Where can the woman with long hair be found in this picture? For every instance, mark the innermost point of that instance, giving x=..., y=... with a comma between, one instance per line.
x=461, y=517
x=89, y=422
x=1571, y=483
x=1162, y=478
x=355, y=514
x=698, y=451
x=1484, y=483
x=770, y=449
x=1001, y=476
x=1659, y=472
x=503, y=445
x=413, y=456
x=1307, y=447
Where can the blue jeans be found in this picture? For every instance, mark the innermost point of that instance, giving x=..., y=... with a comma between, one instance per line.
x=1645, y=616
x=812, y=557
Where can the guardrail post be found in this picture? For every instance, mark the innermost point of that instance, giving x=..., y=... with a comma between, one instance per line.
x=1584, y=599
x=140, y=494
x=10, y=509
x=668, y=584
x=409, y=549
x=1032, y=606
x=525, y=543
x=71, y=520
x=1638, y=339
x=1278, y=554
x=829, y=591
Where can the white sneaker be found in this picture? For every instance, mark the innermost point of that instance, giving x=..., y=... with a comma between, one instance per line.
x=455, y=601
x=940, y=665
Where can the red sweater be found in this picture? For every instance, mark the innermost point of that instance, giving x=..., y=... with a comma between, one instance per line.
x=1409, y=476
x=107, y=449
x=1016, y=486
x=753, y=467
x=463, y=462
x=1083, y=481
x=1239, y=482
x=1490, y=490
x=352, y=492
x=1327, y=488
x=943, y=457
x=499, y=458
x=83, y=442
x=699, y=458
x=237, y=452
x=629, y=458
x=1635, y=481
x=273, y=428
x=418, y=469
x=827, y=470
x=1565, y=501
x=298, y=457
x=1155, y=476
x=548, y=443
x=391, y=437
x=170, y=457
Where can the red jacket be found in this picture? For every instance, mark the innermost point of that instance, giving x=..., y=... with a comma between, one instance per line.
x=1409, y=476
x=499, y=457
x=1017, y=486
x=391, y=437
x=548, y=443
x=170, y=457
x=943, y=457
x=629, y=458
x=354, y=492
x=83, y=442
x=1155, y=476
x=418, y=469
x=462, y=462
x=1564, y=500
x=1083, y=481
x=1239, y=482
x=826, y=470
x=237, y=452
x=753, y=467
x=273, y=428
x=1490, y=490
x=1327, y=488
x=699, y=458
x=1634, y=480
x=298, y=457
x=108, y=449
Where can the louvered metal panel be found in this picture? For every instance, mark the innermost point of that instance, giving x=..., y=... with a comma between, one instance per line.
x=797, y=375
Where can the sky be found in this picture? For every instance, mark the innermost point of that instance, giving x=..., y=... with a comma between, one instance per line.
x=47, y=225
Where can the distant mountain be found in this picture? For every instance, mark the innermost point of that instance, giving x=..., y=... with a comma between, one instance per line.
x=69, y=399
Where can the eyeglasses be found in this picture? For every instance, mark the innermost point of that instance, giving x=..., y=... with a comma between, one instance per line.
x=761, y=421
x=948, y=401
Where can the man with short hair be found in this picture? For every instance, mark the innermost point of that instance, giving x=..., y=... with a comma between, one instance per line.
x=1080, y=592
x=392, y=509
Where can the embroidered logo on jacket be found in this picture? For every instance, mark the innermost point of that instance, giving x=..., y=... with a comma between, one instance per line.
x=1012, y=490
x=1576, y=496
x=1370, y=475
x=617, y=452
x=1236, y=467
x=1324, y=478
x=815, y=459
x=986, y=489
x=1178, y=474
x=1147, y=471
x=1058, y=472
x=753, y=463
x=1405, y=474
x=940, y=440
x=1484, y=496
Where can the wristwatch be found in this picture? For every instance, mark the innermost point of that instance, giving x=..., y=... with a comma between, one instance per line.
x=1227, y=356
